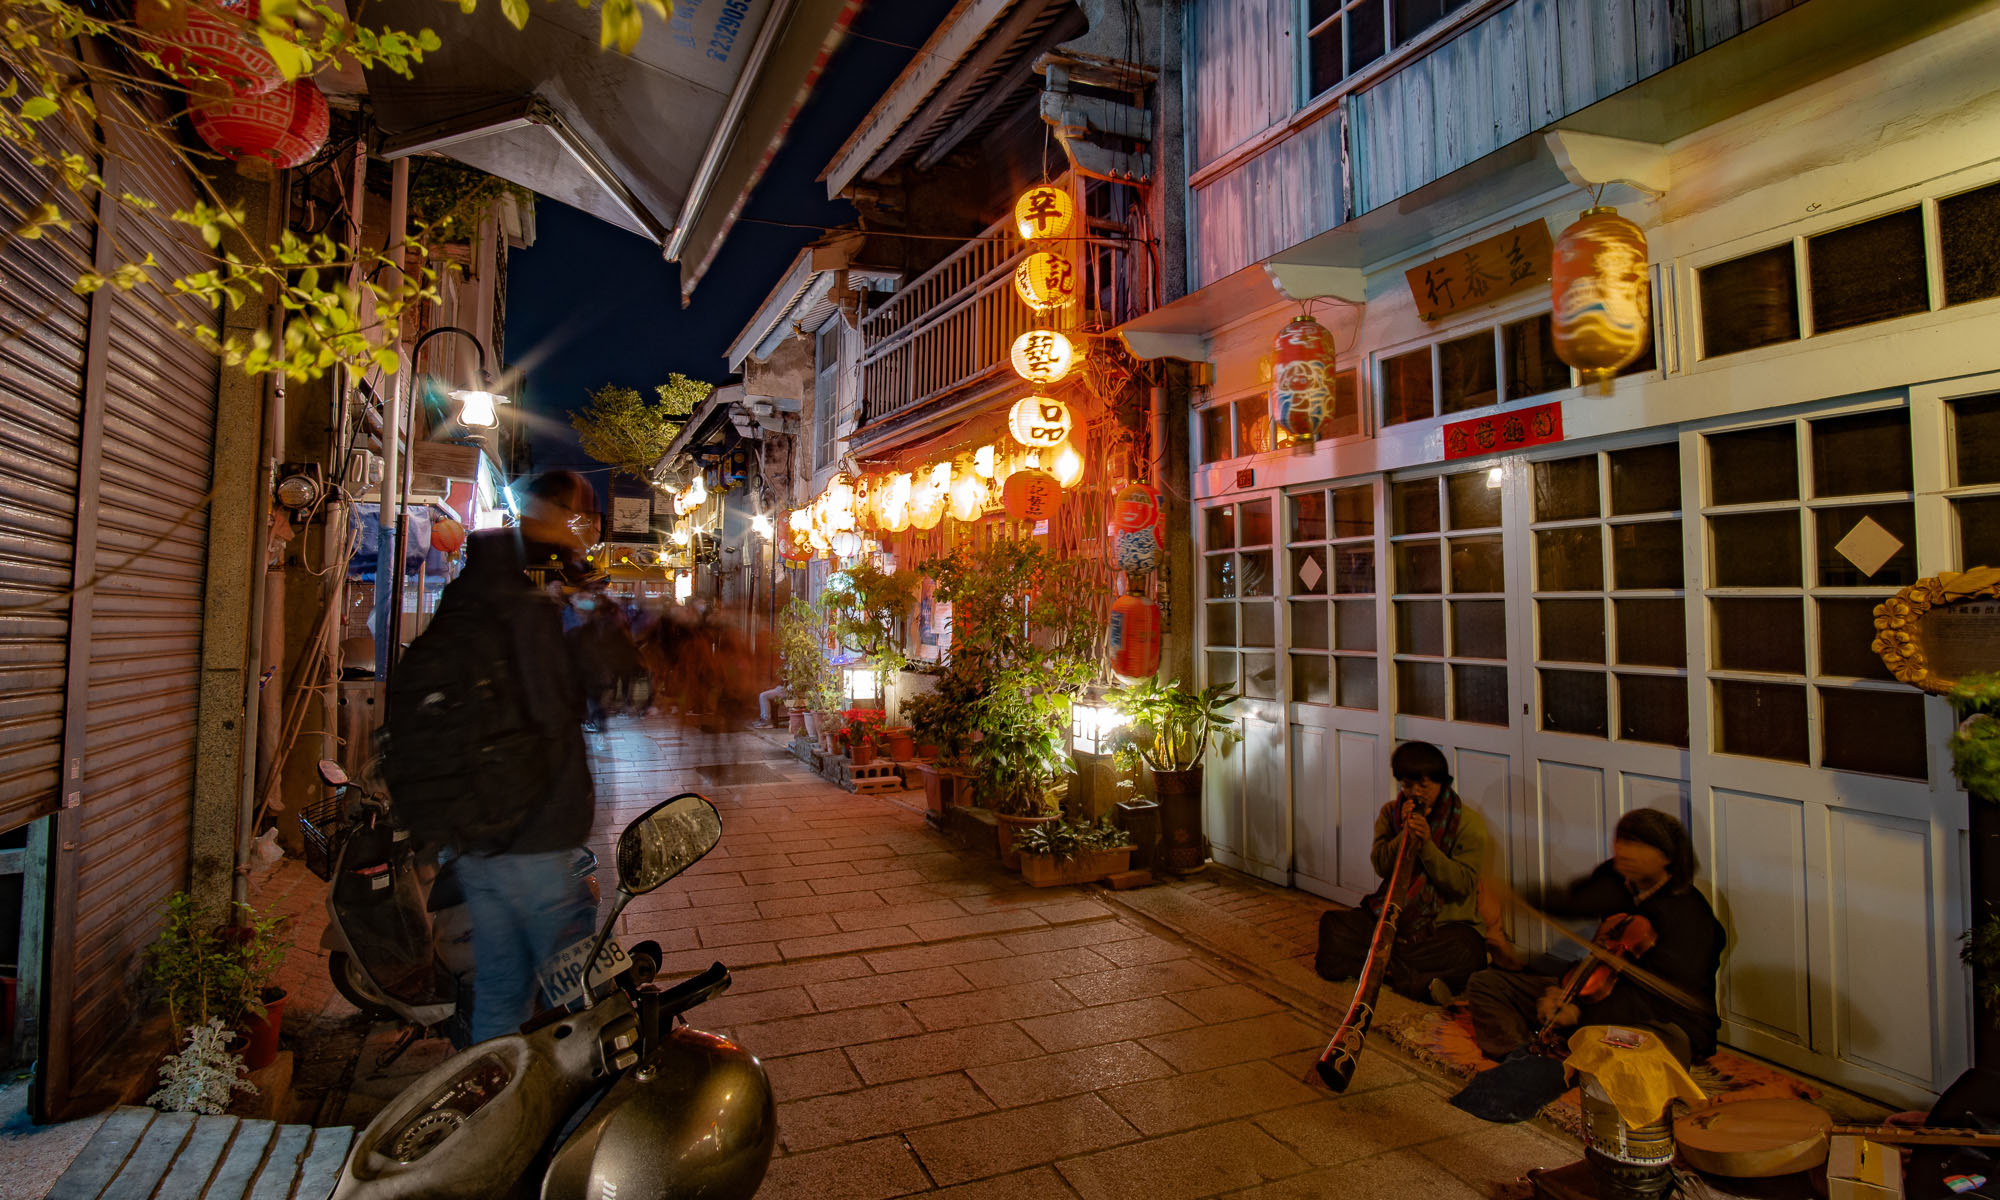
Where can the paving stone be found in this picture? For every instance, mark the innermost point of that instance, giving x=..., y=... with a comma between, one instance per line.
x=1108, y=1023
x=947, y=1050
x=1226, y=1002
x=1495, y=1158
x=821, y=1031
x=863, y=883
x=836, y=903
x=874, y=1170
x=1070, y=912
x=851, y=1116
x=1150, y=979
x=1137, y=951
x=1009, y=1003
x=756, y=979
x=847, y=943
x=798, y=1076
x=1215, y=1045
x=774, y=929
x=1184, y=1101
x=1042, y=1183
x=1050, y=964
x=745, y=1008
x=1340, y=1128
x=1014, y=1138
x=969, y=925
x=944, y=954
x=1051, y=1076
x=794, y=873
x=1400, y=1176
x=1089, y=933
x=887, y=989
x=1201, y=1162
x=896, y=914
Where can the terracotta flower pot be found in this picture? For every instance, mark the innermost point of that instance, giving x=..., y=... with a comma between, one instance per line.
x=861, y=751
x=902, y=747
x=1183, y=847
x=796, y=721
x=1045, y=870
x=941, y=786
x=260, y=1034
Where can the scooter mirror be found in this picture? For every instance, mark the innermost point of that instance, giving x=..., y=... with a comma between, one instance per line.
x=666, y=841
x=330, y=771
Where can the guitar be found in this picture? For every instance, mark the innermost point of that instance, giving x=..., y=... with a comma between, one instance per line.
x=1754, y=1139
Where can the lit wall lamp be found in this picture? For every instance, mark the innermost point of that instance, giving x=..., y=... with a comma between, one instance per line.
x=1091, y=725
x=476, y=405
x=761, y=526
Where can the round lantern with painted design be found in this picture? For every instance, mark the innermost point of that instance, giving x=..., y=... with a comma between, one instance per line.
x=1136, y=551
x=1043, y=356
x=284, y=127
x=1044, y=211
x=1134, y=637
x=1302, y=376
x=1039, y=422
x=1031, y=495
x=1601, y=304
x=1045, y=280
x=447, y=536
x=199, y=43
x=892, y=504
x=1136, y=506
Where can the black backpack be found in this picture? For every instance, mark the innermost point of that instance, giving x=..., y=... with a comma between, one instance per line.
x=465, y=762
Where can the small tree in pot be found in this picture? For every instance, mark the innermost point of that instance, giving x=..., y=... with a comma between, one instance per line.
x=808, y=677
x=1172, y=728
x=214, y=976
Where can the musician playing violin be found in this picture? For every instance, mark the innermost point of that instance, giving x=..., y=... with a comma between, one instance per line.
x=1440, y=938
x=1650, y=874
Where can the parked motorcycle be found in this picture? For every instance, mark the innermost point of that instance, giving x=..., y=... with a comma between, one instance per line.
x=612, y=1095
x=398, y=933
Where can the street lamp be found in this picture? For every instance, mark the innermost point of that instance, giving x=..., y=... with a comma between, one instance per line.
x=475, y=404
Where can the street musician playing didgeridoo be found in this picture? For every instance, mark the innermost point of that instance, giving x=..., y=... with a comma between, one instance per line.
x=1650, y=874
x=1440, y=940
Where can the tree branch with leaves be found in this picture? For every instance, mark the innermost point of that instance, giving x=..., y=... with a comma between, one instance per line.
x=628, y=432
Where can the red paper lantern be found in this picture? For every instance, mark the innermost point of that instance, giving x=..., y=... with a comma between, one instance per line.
x=206, y=43
x=1136, y=506
x=285, y=127
x=1602, y=306
x=1031, y=495
x=447, y=536
x=1135, y=637
x=1302, y=376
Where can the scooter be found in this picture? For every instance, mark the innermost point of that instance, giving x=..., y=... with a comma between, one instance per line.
x=612, y=1095
x=398, y=934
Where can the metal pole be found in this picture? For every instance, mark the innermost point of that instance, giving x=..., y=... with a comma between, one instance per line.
x=388, y=567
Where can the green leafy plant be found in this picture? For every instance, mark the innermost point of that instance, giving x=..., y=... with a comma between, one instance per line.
x=452, y=199
x=629, y=433
x=862, y=724
x=204, y=1075
x=866, y=607
x=809, y=678
x=944, y=718
x=1975, y=745
x=1981, y=952
x=1063, y=840
x=206, y=970
x=1172, y=727
x=1023, y=642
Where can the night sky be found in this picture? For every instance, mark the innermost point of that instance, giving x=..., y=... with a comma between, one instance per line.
x=590, y=304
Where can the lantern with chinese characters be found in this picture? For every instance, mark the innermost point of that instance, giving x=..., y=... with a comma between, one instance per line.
x=284, y=127
x=447, y=536
x=1602, y=306
x=892, y=504
x=1045, y=280
x=1039, y=422
x=1043, y=356
x=928, y=497
x=1135, y=637
x=1136, y=506
x=1136, y=551
x=1044, y=211
x=1302, y=377
x=1031, y=495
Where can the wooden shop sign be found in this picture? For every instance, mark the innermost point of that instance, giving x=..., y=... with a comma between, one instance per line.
x=1482, y=272
x=1941, y=629
x=1504, y=431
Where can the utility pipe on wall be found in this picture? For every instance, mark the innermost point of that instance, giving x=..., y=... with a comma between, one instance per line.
x=387, y=568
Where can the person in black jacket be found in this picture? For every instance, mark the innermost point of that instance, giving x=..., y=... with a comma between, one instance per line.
x=1651, y=874
x=525, y=903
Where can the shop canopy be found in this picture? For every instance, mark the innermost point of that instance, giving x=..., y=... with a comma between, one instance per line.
x=663, y=142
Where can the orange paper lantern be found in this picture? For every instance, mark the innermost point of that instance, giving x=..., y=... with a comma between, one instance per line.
x=1302, y=376
x=1031, y=495
x=447, y=536
x=1135, y=637
x=1601, y=305
x=1039, y=422
x=1136, y=506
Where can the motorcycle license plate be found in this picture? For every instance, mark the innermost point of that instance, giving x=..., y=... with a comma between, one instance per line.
x=562, y=976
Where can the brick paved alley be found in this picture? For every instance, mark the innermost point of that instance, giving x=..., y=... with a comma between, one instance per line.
x=932, y=1026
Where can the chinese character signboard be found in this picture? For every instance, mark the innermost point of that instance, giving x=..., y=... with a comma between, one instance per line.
x=1483, y=272
x=1504, y=431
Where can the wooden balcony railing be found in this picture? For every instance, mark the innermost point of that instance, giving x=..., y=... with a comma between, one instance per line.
x=953, y=327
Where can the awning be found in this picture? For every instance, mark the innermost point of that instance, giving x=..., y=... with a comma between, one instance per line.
x=642, y=141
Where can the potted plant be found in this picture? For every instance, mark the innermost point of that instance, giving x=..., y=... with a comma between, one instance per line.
x=1058, y=852
x=1172, y=728
x=941, y=723
x=209, y=971
x=865, y=609
x=1024, y=641
x=808, y=677
x=859, y=730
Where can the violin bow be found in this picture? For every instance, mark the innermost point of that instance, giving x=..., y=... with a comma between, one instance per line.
x=1623, y=966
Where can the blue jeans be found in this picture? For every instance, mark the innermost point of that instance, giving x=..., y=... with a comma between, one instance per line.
x=525, y=909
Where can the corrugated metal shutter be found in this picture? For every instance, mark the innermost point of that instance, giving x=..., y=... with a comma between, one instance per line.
x=43, y=330
x=146, y=611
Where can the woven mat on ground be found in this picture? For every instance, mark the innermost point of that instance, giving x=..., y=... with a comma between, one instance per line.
x=1443, y=1038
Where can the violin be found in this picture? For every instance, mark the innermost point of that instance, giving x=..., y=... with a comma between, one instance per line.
x=1623, y=937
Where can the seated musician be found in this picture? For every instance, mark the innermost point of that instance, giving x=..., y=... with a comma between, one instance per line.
x=1440, y=939
x=1650, y=874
